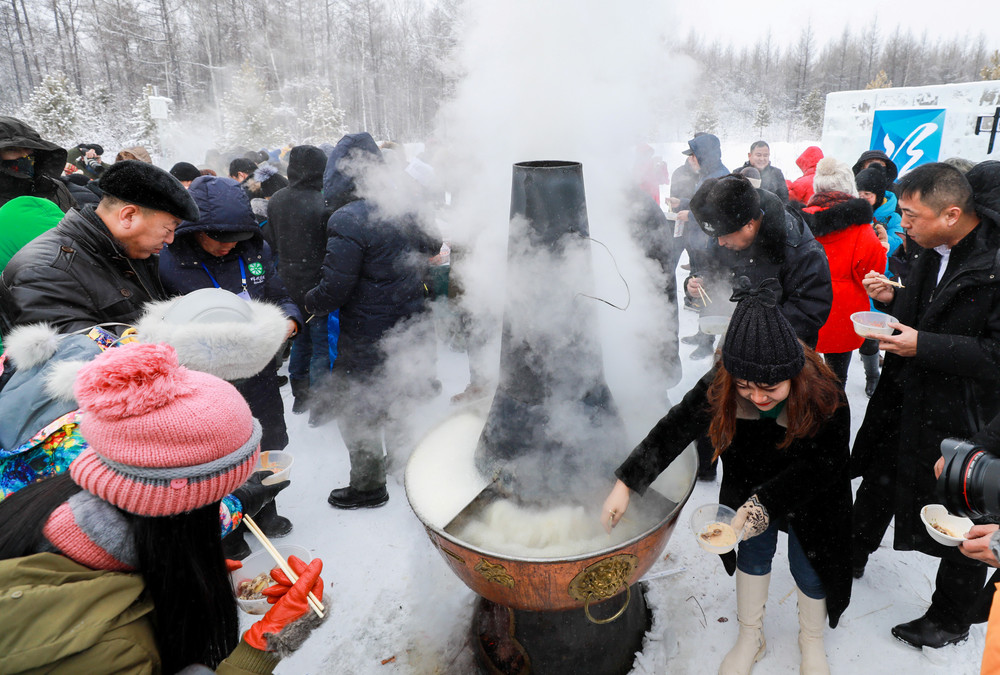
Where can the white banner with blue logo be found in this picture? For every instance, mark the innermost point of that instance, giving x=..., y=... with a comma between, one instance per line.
x=909, y=137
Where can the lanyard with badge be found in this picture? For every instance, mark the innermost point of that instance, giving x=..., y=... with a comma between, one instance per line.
x=245, y=294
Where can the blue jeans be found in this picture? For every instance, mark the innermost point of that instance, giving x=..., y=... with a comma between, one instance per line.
x=755, y=555
x=310, y=357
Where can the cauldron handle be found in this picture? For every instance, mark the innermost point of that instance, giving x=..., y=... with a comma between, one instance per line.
x=586, y=608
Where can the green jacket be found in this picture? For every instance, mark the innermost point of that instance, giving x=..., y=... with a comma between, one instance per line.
x=59, y=617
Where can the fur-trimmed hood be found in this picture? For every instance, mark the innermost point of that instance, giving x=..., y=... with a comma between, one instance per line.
x=829, y=212
x=780, y=227
x=232, y=350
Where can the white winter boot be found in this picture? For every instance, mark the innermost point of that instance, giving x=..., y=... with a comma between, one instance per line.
x=812, y=623
x=751, y=595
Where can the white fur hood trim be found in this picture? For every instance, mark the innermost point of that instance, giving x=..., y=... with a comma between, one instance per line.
x=60, y=378
x=31, y=345
x=230, y=350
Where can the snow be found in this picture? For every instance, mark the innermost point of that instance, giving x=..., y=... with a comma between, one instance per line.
x=390, y=595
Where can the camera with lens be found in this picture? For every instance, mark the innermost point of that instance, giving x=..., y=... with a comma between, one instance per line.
x=970, y=482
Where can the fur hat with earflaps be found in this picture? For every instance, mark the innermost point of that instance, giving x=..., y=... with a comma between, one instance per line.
x=150, y=186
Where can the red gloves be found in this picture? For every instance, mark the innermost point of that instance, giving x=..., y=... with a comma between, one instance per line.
x=273, y=632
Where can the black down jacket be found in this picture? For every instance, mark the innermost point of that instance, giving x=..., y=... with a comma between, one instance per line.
x=371, y=271
x=50, y=160
x=786, y=250
x=950, y=388
x=297, y=218
x=76, y=275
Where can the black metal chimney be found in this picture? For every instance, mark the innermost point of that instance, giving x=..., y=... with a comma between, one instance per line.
x=553, y=418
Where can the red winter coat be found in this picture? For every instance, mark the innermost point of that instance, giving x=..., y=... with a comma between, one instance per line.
x=843, y=225
x=801, y=189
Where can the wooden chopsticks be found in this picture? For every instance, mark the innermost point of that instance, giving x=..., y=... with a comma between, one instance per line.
x=314, y=603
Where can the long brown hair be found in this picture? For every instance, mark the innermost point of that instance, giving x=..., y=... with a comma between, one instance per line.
x=815, y=394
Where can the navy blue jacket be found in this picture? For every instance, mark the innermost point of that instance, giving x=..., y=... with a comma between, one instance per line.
x=225, y=207
x=371, y=271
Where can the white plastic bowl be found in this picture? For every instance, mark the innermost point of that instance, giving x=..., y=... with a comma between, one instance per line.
x=279, y=463
x=259, y=562
x=704, y=516
x=713, y=325
x=872, y=324
x=935, y=514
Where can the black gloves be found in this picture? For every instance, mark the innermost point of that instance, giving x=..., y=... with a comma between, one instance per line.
x=254, y=495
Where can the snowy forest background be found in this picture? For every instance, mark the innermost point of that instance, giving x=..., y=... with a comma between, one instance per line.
x=255, y=74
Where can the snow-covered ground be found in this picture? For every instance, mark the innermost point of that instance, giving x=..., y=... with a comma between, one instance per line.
x=392, y=599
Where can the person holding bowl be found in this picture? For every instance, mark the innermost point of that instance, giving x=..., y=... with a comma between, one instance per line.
x=778, y=419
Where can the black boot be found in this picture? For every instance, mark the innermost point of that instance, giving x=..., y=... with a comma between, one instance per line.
x=350, y=498
x=925, y=632
x=234, y=546
x=870, y=362
x=300, y=390
x=270, y=523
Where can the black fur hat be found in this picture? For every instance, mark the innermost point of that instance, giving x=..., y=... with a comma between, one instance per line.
x=724, y=205
x=150, y=186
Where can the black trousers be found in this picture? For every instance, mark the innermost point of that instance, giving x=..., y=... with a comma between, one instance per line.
x=839, y=363
x=959, y=595
x=874, y=503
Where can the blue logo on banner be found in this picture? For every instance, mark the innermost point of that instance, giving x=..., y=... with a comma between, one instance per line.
x=909, y=137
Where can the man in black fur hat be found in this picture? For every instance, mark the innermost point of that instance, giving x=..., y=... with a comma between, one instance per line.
x=99, y=265
x=758, y=238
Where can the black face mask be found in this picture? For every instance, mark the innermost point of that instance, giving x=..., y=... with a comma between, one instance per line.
x=23, y=167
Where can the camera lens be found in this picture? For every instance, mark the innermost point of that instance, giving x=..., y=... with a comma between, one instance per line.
x=970, y=480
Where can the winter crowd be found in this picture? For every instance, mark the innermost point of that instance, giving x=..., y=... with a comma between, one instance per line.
x=145, y=315
x=799, y=258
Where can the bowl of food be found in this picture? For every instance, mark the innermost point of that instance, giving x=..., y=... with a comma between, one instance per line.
x=713, y=530
x=943, y=527
x=872, y=324
x=250, y=580
x=713, y=324
x=278, y=462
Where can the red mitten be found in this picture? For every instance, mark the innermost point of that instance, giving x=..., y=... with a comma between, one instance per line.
x=290, y=621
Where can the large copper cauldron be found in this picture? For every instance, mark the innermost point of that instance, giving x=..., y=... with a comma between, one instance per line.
x=442, y=481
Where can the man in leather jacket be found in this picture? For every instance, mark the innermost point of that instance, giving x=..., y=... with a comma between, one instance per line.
x=99, y=264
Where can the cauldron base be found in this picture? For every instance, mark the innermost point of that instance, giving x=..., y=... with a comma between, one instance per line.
x=519, y=642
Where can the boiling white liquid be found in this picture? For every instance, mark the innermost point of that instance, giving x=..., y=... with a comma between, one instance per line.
x=441, y=477
x=555, y=532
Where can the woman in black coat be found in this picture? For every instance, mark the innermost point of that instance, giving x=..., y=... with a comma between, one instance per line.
x=776, y=416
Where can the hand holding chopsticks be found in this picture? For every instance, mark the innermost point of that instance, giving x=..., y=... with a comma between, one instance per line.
x=314, y=603
x=694, y=285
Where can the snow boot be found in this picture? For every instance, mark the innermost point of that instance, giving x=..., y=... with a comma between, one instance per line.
x=751, y=596
x=871, y=364
x=270, y=523
x=234, y=546
x=300, y=390
x=812, y=622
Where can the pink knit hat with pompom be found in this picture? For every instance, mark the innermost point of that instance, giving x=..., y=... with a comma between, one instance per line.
x=163, y=439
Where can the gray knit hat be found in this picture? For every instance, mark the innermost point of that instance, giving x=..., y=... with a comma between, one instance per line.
x=760, y=344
